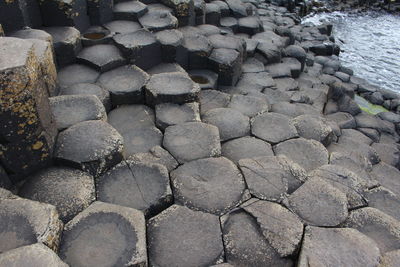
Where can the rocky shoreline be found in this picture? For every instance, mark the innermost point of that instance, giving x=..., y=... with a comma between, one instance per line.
x=181, y=133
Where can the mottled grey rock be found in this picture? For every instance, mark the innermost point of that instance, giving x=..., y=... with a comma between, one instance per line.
x=125, y=84
x=88, y=89
x=351, y=135
x=69, y=190
x=237, y=8
x=166, y=67
x=172, y=87
x=318, y=203
x=213, y=185
x=382, y=228
x=25, y=222
x=129, y=10
x=206, y=79
x=320, y=247
x=229, y=22
x=249, y=105
x=286, y=84
x=36, y=255
x=198, y=48
x=314, y=127
x=158, y=20
x=92, y=146
x=246, y=147
x=388, y=153
x=230, y=122
x=76, y=73
x=156, y=155
x=390, y=259
x=102, y=57
x=253, y=65
x=344, y=120
x=122, y=26
x=168, y=114
x=115, y=234
x=192, y=140
x=227, y=63
x=384, y=200
x=260, y=79
x=210, y=99
x=273, y=127
x=201, y=232
x=269, y=52
x=250, y=25
x=72, y=109
x=140, y=185
x=388, y=176
x=294, y=109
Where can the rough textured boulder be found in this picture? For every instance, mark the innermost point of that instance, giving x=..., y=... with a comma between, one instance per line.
x=384, y=200
x=156, y=155
x=93, y=146
x=320, y=247
x=138, y=185
x=213, y=185
x=201, y=232
x=314, y=127
x=390, y=259
x=115, y=234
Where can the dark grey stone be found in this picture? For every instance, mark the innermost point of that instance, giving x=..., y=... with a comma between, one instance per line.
x=76, y=73
x=100, y=12
x=122, y=26
x=273, y=127
x=343, y=119
x=96, y=35
x=172, y=47
x=253, y=65
x=279, y=70
x=384, y=200
x=314, y=127
x=198, y=48
x=157, y=20
x=18, y=14
x=270, y=52
x=166, y=67
x=249, y=105
x=388, y=176
x=229, y=22
x=227, y=63
x=213, y=14
x=157, y=155
x=123, y=229
x=168, y=114
x=69, y=190
x=210, y=99
x=259, y=80
x=250, y=25
x=237, y=8
x=201, y=232
x=129, y=10
x=93, y=146
x=101, y=57
x=125, y=84
x=192, y=140
x=213, y=185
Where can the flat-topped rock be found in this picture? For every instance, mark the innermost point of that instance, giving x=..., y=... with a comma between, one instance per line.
x=237, y=8
x=252, y=65
x=69, y=190
x=318, y=203
x=229, y=22
x=32, y=255
x=24, y=222
x=88, y=89
x=139, y=185
x=314, y=127
x=320, y=246
x=343, y=119
x=384, y=200
x=122, y=26
x=250, y=25
x=129, y=10
x=227, y=63
x=71, y=109
x=348, y=145
x=29, y=33
x=168, y=114
x=218, y=180
x=388, y=176
x=140, y=47
x=198, y=48
x=309, y=154
x=260, y=80
x=192, y=140
x=273, y=127
x=158, y=155
x=172, y=46
x=210, y=99
x=128, y=117
x=76, y=73
x=117, y=237
x=213, y=14
x=172, y=87
x=202, y=232
x=158, y=20
x=268, y=53
x=388, y=153
x=249, y=105
x=92, y=146
x=382, y=228
x=246, y=147
x=125, y=84
x=102, y=57
x=166, y=67
x=230, y=122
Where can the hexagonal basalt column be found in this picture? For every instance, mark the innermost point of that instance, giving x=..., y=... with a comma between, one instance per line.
x=16, y=14
x=100, y=11
x=158, y=20
x=129, y=10
x=115, y=234
x=101, y=57
x=172, y=87
x=27, y=131
x=227, y=63
x=65, y=13
x=183, y=10
x=140, y=47
x=199, y=48
x=172, y=47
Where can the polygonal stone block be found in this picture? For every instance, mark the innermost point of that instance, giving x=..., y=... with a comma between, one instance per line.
x=17, y=14
x=168, y=114
x=103, y=57
x=129, y=10
x=76, y=73
x=227, y=63
x=96, y=35
x=140, y=47
x=172, y=87
x=183, y=10
x=100, y=11
x=117, y=237
x=199, y=48
x=172, y=48
x=158, y=20
x=122, y=26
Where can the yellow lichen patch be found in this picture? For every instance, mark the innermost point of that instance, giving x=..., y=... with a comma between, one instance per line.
x=9, y=1
x=38, y=145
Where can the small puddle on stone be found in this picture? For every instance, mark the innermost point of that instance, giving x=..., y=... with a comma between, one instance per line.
x=94, y=35
x=199, y=79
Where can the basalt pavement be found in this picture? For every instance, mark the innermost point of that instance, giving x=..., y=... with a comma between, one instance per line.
x=236, y=142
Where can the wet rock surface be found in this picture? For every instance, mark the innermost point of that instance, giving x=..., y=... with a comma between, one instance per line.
x=239, y=142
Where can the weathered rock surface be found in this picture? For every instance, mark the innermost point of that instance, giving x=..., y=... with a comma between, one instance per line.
x=156, y=155
x=314, y=127
x=201, y=232
x=168, y=114
x=115, y=234
x=384, y=200
x=213, y=185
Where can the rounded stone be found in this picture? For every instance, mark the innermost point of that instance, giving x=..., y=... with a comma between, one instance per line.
x=105, y=235
x=318, y=203
x=314, y=127
x=72, y=109
x=192, y=140
x=182, y=237
x=138, y=185
x=92, y=146
x=246, y=147
x=125, y=84
x=309, y=154
x=213, y=185
x=158, y=155
x=76, y=73
x=273, y=127
x=384, y=200
x=69, y=190
x=230, y=122
x=88, y=89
